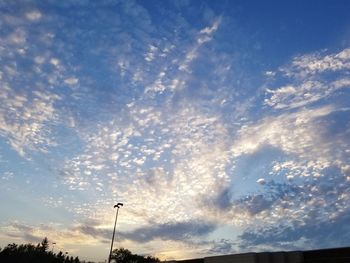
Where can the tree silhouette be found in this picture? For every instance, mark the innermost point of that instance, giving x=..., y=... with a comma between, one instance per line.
x=123, y=255
x=44, y=245
x=29, y=253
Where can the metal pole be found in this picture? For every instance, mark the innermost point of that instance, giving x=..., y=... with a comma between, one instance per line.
x=115, y=224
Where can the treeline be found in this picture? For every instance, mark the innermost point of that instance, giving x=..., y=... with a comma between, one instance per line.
x=123, y=255
x=29, y=253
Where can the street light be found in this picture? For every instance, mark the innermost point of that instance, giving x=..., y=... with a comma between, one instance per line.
x=115, y=223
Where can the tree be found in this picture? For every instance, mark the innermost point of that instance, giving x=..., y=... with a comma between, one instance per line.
x=44, y=244
x=123, y=255
x=29, y=253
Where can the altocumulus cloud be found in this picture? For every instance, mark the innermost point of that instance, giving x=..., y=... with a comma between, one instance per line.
x=129, y=109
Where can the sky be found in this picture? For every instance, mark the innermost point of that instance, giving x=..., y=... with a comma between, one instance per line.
x=223, y=126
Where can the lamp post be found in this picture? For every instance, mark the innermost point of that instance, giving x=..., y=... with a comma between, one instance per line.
x=115, y=223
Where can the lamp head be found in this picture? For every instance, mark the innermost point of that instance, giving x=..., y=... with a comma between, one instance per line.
x=118, y=205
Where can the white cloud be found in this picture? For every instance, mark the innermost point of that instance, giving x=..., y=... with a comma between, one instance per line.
x=270, y=73
x=23, y=119
x=71, y=81
x=180, y=156
x=212, y=29
x=151, y=53
x=205, y=35
x=18, y=37
x=261, y=181
x=308, y=155
x=30, y=84
x=7, y=176
x=55, y=61
x=294, y=133
x=308, y=83
x=166, y=78
x=39, y=59
x=317, y=63
x=304, y=94
x=33, y=15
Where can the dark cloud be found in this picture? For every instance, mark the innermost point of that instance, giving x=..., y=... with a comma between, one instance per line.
x=183, y=231
x=274, y=192
x=323, y=214
x=223, y=200
x=329, y=233
x=95, y=232
x=256, y=203
x=24, y=232
x=32, y=238
x=223, y=246
x=22, y=227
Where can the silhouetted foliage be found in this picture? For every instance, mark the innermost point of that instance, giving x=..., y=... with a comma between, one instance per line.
x=29, y=253
x=44, y=245
x=123, y=255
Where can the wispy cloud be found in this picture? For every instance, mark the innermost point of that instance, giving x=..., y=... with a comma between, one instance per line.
x=309, y=82
x=205, y=35
x=311, y=64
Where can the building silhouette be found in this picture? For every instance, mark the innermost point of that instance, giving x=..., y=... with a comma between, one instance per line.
x=333, y=255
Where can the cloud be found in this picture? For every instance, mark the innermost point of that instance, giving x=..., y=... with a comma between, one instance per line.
x=261, y=181
x=303, y=127
x=324, y=234
x=158, y=151
x=316, y=63
x=173, y=231
x=205, y=35
x=223, y=200
x=309, y=81
x=274, y=193
x=182, y=231
x=308, y=92
x=7, y=176
x=24, y=118
x=33, y=15
x=66, y=238
x=222, y=247
x=71, y=81
x=18, y=37
x=151, y=53
x=212, y=29
x=166, y=143
x=288, y=213
x=166, y=122
x=95, y=232
x=276, y=131
x=172, y=80
x=32, y=77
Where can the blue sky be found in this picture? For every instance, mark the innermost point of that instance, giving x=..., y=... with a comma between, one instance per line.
x=223, y=126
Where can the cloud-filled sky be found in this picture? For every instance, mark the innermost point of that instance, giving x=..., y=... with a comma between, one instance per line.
x=223, y=126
